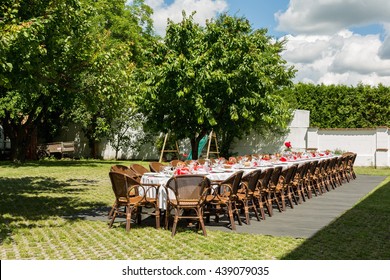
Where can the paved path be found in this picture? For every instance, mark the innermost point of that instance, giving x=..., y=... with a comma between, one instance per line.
x=302, y=221
x=310, y=216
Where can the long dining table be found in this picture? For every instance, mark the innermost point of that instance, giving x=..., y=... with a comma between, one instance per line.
x=215, y=174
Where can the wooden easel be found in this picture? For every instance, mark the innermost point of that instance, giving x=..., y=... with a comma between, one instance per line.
x=163, y=151
x=212, y=149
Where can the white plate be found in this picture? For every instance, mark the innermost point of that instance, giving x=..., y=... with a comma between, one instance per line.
x=217, y=171
x=160, y=175
x=229, y=170
x=201, y=173
x=150, y=173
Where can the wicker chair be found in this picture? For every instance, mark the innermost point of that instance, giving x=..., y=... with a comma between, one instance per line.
x=187, y=194
x=311, y=180
x=298, y=186
x=124, y=169
x=283, y=190
x=176, y=162
x=138, y=169
x=225, y=199
x=337, y=171
x=261, y=193
x=156, y=166
x=246, y=193
x=323, y=175
x=273, y=182
x=350, y=163
x=130, y=197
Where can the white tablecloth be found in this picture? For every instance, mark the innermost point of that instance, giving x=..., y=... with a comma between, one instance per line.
x=162, y=179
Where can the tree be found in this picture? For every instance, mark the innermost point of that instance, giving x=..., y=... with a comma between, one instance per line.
x=121, y=32
x=224, y=76
x=127, y=132
x=43, y=48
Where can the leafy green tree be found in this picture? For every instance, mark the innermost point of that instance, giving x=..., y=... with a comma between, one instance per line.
x=121, y=32
x=43, y=48
x=126, y=131
x=224, y=77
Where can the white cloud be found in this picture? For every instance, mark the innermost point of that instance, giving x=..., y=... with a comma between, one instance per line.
x=384, y=51
x=205, y=9
x=324, y=50
x=330, y=16
x=343, y=58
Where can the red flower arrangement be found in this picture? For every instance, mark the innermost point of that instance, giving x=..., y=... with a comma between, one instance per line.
x=288, y=145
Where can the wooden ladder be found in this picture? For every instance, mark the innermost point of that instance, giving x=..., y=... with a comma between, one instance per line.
x=163, y=151
x=212, y=148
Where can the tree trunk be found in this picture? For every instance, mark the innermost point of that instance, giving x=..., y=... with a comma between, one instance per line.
x=225, y=144
x=93, y=146
x=195, y=144
x=117, y=148
x=194, y=148
x=21, y=138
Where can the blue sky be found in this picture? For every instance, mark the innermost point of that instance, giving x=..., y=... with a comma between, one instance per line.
x=328, y=41
x=260, y=13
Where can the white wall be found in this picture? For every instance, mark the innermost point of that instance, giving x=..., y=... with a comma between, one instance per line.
x=273, y=142
x=372, y=145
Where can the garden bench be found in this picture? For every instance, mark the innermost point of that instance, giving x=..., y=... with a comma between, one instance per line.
x=58, y=149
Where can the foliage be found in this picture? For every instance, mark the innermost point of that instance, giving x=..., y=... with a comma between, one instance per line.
x=43, y=47
x=120, y=33
x=127, y=131
x=223, y=77
x=341, y=106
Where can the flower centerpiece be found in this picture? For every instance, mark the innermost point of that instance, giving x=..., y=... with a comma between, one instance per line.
x=183, y=156
x=288, y=146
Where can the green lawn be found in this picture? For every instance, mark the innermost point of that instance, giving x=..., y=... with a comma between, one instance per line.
x=43, y=204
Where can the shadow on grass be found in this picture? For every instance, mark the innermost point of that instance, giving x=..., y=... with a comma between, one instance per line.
x=58, y=163
x=362, y=233
x=26, y=201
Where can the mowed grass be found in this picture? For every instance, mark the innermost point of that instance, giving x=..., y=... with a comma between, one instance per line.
x=57, y=209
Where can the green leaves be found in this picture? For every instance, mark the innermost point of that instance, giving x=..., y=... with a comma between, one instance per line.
x=340, y=106
x=215, y=77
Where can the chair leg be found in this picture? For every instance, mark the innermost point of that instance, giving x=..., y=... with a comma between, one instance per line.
x=231, y=217
x=112, y=210
x=261, y=207
x=283, y=200
x=309, y=190
x=175, y=221
x=157, y=213
x=128, y=218
x=199, y=211
x=112, y=219
x=246, y=209
x=270, y=208
x=255, y=210
x=167, y=214
x=290, y=199
x=276, y=200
